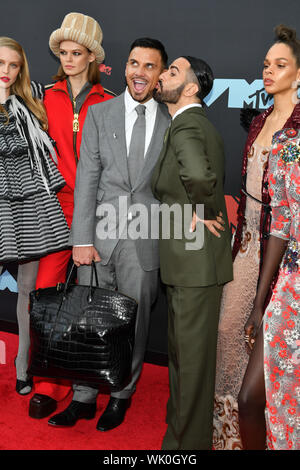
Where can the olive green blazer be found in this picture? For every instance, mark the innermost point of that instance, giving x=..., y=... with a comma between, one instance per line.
x=190, y=170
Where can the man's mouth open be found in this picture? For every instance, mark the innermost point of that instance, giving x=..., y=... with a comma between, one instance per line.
x=139, y=85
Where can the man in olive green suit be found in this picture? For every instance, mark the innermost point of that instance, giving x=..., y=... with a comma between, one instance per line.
x=190, y=170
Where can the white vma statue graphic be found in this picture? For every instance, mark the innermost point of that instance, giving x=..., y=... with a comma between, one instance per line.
x=7, y=281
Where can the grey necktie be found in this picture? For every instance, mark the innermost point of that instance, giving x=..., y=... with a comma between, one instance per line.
x=137, y=145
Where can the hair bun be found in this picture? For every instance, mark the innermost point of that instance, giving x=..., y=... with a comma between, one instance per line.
x=285, y=34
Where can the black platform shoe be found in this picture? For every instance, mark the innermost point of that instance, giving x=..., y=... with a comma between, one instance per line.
x=41, y=406
x=23, y=384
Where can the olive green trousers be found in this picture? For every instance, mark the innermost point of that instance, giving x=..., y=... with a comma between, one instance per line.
x=193, y=316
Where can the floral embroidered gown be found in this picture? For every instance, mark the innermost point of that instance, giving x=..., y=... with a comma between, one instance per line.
x=281, y=319
x=236, y=306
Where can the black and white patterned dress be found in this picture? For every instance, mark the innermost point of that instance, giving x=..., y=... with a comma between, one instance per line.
x=32, y=222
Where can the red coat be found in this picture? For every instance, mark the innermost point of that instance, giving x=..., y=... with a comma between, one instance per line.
x=60, y=118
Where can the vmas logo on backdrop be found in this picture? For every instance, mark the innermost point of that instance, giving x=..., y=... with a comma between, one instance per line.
x=105, y=69
x=241, y=94
x=7, y=281
x=232, y=203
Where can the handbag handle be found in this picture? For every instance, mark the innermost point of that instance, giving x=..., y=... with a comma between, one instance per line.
x=93, y=271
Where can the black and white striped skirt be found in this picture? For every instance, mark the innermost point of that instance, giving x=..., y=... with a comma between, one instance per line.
x=32, y=228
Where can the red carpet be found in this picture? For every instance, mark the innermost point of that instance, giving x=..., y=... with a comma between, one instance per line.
x=143, y=428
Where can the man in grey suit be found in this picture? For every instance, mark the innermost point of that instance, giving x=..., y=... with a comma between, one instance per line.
x=121, y=142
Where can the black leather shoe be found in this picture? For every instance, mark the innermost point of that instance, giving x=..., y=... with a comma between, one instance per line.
x=41, y=406
x=114, y=414
x=75, y=411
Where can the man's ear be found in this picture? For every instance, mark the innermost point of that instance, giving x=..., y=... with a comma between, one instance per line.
x=191, y=89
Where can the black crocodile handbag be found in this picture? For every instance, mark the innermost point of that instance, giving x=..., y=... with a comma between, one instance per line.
x=82, y=333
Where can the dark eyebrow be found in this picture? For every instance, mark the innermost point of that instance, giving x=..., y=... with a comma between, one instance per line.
x=174, y=67
x=73, y=50
x=279, y=58
x=147, y=63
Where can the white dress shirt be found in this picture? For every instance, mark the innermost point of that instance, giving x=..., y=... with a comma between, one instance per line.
x=131, y=117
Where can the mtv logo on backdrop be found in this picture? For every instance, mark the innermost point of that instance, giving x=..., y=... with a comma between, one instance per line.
x=7, y=281
x=241, y=94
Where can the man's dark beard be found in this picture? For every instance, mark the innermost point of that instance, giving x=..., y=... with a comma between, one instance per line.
x=171, y=97
x=157, y=95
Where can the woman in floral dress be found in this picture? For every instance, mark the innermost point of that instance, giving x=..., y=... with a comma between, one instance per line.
x=281, y=322
x=281, y=70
